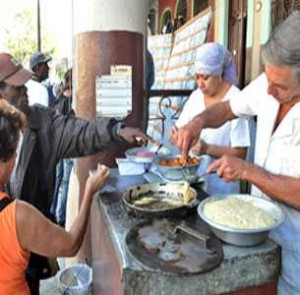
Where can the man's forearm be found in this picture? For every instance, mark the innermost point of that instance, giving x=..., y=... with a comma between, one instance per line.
x=216, y=115
x=283, y=189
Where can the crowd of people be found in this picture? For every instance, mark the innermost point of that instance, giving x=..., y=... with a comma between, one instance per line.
x=48, y=138
x=36, y=140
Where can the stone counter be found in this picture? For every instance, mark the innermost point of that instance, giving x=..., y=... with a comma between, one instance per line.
x=116, y=272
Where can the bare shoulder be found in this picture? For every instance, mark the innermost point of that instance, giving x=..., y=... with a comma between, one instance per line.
x=26, y=212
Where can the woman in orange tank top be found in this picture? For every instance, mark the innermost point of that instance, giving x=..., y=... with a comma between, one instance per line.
x=23, y=228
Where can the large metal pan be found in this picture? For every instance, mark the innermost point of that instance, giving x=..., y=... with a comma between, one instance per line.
x=167, y=200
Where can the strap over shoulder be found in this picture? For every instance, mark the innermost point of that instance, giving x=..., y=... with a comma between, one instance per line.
x=4, y=202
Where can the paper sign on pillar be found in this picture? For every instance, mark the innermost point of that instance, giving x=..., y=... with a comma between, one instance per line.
x=114, y=92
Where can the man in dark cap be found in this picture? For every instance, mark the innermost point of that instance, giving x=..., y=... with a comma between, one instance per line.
x=48, y=138
x=39, y=66
x=37, y=92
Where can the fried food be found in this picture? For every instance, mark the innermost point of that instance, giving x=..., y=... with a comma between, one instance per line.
x=145, y=201
x=179, y=161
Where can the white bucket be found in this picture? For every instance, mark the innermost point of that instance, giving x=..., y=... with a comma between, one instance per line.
x=75, y=280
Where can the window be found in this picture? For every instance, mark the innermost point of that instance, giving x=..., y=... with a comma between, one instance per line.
x=181, y=10
x=199, y=5
x=152, y=21
x=166, y=21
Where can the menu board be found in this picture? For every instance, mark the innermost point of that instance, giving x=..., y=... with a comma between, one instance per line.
x=174, y=56
x=160, y=47
x=180, y=73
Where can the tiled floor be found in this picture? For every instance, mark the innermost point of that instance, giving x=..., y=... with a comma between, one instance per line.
x=49, y=286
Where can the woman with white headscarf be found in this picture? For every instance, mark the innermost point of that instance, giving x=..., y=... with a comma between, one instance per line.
x=216, y=78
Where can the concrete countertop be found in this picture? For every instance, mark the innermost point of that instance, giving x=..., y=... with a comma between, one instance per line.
x=241, y=268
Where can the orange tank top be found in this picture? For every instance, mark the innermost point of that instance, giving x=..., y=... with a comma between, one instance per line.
x=13, y=259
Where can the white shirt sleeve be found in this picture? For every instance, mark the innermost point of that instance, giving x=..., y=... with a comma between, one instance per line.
x=246, y=102
x=37, y=93
x=239, y=128
x=193, y=107
x=240, y=133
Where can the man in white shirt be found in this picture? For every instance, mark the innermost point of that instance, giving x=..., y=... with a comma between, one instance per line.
x=37, y=92
x=274, y=97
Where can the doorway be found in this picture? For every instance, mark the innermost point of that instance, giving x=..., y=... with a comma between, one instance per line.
x=237, y=36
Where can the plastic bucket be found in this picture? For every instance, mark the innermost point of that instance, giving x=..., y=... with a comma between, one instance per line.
x=75, y=280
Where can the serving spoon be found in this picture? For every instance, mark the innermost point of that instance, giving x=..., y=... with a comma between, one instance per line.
x=195, y=178
x=159, y=147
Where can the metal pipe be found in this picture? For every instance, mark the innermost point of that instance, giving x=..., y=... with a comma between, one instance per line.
x=38, y=26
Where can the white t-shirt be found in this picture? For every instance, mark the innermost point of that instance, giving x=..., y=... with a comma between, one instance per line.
x=278, y=153
x=234, y=133
x=37, y=93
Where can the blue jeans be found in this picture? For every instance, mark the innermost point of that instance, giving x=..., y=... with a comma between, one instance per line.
x=58, y=180
x=63, y=195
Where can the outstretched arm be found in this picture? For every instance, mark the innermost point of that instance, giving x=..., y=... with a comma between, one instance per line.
x=39, y=235
x=217, y=151
x=283, y=189
x=213, y=117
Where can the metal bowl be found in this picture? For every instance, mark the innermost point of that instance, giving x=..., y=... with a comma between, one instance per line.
x=133, y=154
x=243, y=237
x=175, y=173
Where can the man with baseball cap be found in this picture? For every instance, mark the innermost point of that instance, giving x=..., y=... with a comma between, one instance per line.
x=39, y=66
x=37, y=92
x=11, y=72
x=48, y=138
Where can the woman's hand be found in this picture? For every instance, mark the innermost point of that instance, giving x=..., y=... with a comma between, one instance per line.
x=200, y=148
x=97, y=179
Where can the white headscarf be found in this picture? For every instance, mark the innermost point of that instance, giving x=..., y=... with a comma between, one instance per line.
x=215, y=59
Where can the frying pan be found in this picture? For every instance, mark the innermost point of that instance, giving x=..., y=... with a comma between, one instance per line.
x=161, y=191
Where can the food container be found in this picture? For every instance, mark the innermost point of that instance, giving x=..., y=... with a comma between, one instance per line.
x=176, y=172
x=128, y=167
x=75, y=280
x=146, y=154
x=160, y=192
x=247, y=236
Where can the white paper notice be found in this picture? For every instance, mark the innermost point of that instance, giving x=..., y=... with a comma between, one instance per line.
x=114, y=93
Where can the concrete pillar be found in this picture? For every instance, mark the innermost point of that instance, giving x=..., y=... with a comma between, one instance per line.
x=256, y=68
x=106, y=33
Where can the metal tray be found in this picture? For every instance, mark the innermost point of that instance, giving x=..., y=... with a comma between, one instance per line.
x=157, y=245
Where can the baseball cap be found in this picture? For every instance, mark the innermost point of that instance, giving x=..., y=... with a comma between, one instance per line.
x=11, y=72
x=38, y=58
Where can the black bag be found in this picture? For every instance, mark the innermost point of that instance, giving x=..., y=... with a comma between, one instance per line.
x=40, y=267
x=4, y=202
